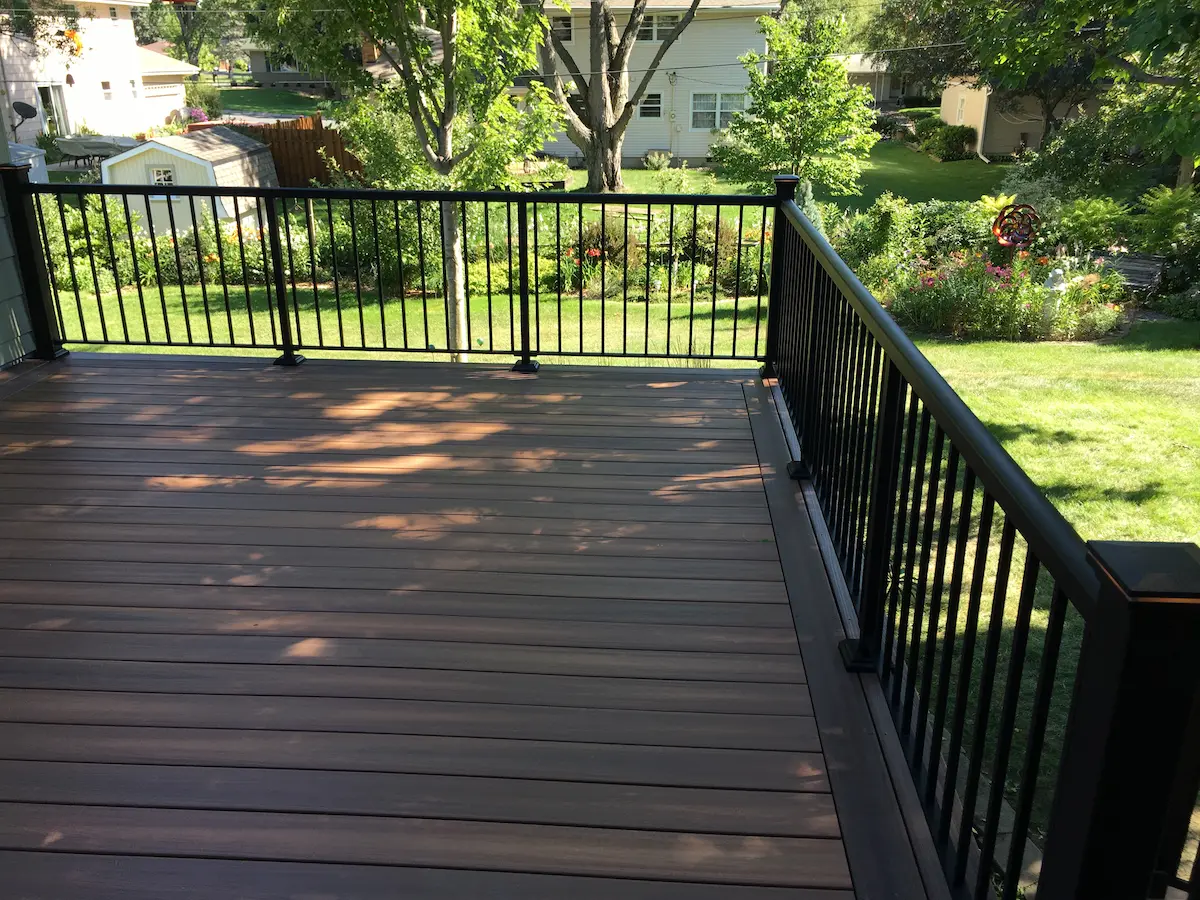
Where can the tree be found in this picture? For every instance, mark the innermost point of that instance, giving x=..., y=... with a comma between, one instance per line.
x=805, y=116
x=453, y=64
x=597, y=103
x=193, y=26
x=1156, y=44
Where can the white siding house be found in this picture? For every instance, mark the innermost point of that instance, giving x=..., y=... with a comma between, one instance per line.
x=112, y=86
x=699, y=83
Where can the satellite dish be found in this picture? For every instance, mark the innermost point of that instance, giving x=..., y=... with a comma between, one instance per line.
x=25, y=111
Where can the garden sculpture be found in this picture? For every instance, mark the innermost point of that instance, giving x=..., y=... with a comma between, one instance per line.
x=1016, y=226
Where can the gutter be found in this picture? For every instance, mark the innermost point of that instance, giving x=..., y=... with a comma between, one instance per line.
x=987, y=99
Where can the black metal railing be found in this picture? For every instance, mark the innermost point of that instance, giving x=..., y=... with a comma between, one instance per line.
x=1022, y=667
x=491, y=274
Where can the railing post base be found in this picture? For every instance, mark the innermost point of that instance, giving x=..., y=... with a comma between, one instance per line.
x=797, y=470
x=767, y=369
x=289, y=359
x=527, y=366
x=855, y=658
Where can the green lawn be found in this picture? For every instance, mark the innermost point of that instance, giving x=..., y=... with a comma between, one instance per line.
x=892, y=167
x=272, y=101
x=71, y=177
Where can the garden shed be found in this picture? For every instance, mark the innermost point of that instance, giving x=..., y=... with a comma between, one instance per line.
x=215, y=157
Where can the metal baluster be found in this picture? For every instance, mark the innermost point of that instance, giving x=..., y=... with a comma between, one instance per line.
x=197, y=239
x=400, y=273
x=378, y=272
x=112, y=262
x=217, y=237
x=362, y=324
x=267, y=275
x=424, y=282
x=298, y=334
x=333, y=265
x=737, y=280
x=46, y=254
x=487, y=240
x=91, y=253
x=237, y=218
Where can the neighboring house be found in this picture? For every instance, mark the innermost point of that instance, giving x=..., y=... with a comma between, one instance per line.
x=216, y=156
x=1003, y=127
x=276, y=74
x=886, y=90
x=112, y=86
x=699, y=84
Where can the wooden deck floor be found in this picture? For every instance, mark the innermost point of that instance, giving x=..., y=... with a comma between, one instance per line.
x=383, y=631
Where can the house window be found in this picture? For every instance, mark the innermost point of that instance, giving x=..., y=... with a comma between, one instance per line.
x=962, y=108
x=562, y=28
x=162, y=176
x=106, y=86
x=133, y=88
x=657, y=27
x=651, y=107
x=112, y=13
x=711, y=111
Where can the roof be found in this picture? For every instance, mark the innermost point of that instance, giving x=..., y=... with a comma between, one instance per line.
x=216, y=145
x=152, y=63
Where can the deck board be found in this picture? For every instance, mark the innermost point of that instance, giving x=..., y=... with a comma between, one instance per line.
x=365, y=630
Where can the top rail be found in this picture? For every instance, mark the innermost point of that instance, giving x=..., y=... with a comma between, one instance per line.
x=367, y=194
x=1052, y=538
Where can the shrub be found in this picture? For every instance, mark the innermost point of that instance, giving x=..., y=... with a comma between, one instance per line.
x=950, y=142
x=1093, y=223
x=1184, y=305
x=890, y=228
x=1171, y=219
x=888, y=124
x=954, y=225
x=205, y=96
x=657, y=160
x=925, y=128
x=917, y=113
x=46, y=142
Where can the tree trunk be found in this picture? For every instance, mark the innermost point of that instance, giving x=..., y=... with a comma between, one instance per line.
x=455, y=268
x=1187, y=171
x=603, y=159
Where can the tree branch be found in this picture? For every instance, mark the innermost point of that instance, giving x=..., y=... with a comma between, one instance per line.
x=639, y=92
x=636, y=16
x=575, y=108
x=1141, y=76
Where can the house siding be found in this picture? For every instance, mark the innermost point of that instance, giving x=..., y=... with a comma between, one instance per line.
x=1016, y=127
x=16, y=336
x=136, y=170
x=109, y=54
x=714, y=38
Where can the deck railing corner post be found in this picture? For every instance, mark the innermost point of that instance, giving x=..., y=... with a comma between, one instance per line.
x=785, y=192
x=526, y=364
x=30, y=262
x=1128, y=759
x=286, y=343
x=862, y=654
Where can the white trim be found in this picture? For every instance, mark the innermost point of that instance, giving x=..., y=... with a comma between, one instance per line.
x=716, y=112
x=646, y=97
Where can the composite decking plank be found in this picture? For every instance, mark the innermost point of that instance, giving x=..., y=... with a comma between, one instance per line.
x=70, y=876
x=380, y=488
x=299, y=501
x=392, y=540
x=451, y=719
x=597, y=586
x=58, y=641
x=452, y=522
x=587, y=692
x=400, y=559
x=426, y=603
x=424, y=796
x=380, y=478
x=771, y=770
x=800, y=862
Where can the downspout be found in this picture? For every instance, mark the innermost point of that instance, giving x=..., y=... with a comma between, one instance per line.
x=671, y=118
x=987, y=98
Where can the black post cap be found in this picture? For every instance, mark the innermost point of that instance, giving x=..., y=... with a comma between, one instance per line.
x=1150, y=571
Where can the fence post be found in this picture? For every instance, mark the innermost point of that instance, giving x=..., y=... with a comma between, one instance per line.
x=30, y=263
x=290, y=356
x=1136, y=688
x=862, y=654
x=526, y=363
x=785, y=191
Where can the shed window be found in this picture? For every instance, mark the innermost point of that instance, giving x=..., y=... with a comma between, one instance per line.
x=162, y=175
x=561, y=26
x=962, y=109
x=106, y=86
x=651, y=107
x=112, y=13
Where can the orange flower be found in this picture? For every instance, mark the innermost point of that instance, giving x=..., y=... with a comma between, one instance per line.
x=1043, y=260
x=1023, y=254
x=73, y=36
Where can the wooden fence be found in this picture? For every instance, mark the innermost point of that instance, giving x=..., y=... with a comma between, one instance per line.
x=295, y=146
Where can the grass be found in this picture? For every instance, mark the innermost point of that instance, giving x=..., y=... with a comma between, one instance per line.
x=891, y=167
x=595, y=327
x=60, y=177
x=271, y=101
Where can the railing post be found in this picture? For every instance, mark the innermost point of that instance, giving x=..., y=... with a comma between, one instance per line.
x=287, y=345
x=785, y=191
x=31, y=263
x=1136, y=688
x=862, y=654
x=526, y=363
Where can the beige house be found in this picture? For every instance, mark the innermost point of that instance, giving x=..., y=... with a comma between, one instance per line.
x=112, y=85
x=1003, y=128
x=219, y=157
x=885, y=89
x=699, y=84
